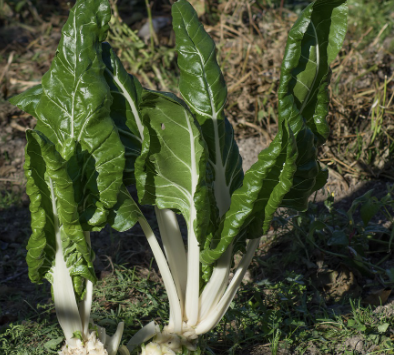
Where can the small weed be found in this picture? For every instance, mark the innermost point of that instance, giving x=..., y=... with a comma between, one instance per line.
x=153, y=62
x=9, y=198
x=275, y=342
x=350, y=237
x=31, y=338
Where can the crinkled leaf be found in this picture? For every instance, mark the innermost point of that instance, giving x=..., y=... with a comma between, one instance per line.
x=201, y=83
x=126, y=92
x=203, y=88
x=54, y=211
x=253, y=205
x=308, y=173
x=41, y=246
x=124, y=215
x=313, y=43
x=74, y=108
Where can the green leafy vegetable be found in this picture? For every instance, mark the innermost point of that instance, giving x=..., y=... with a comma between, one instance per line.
x=314, y=41
x=126, y=92
x=74, y=169
x=99, y=132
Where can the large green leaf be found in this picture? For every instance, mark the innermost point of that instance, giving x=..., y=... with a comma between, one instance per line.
x=74, y=108
x=28, y=100
x=172, y=166
x=171, y=174
x=54, y=215
x=203, y=88
x=253, y=205
x=126, y=92
x=309, y=177
x=313, y=43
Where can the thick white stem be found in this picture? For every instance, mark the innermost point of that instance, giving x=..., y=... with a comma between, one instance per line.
x=214, y=316
x=193, y=278
x=84, y=308
x=112, y=343
x=85, y=305
x=193, y=261
x=63, y=291
x=174, y=249
x=169, y=284
x=217, y=284
x=143, y=335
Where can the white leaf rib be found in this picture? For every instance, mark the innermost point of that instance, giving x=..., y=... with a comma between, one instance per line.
x=174, y=184
x=186, y=128
x=176, y=254
x=86, y=122
x=306, y=100
x=60, y=59
x=217, y=312
x=299, y=81
x=131, y=135
x=175, y=307
x=63, y=291
x=176, y=156
x=131, y=102
x=193, y=266
x=56, y=104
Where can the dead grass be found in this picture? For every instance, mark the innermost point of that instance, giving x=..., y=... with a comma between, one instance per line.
x=251, y=44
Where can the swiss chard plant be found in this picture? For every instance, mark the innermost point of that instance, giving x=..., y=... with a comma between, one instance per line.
x=99, y=131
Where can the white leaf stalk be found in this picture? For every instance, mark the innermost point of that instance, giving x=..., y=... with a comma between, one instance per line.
x=188, y=318
x=74, y=318
x=182, y=332
x=191, y=313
